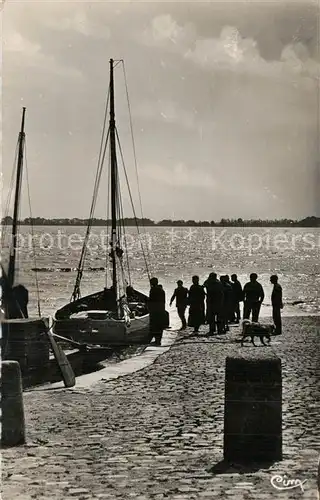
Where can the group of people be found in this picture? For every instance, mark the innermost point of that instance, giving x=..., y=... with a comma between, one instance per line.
x=216, y=303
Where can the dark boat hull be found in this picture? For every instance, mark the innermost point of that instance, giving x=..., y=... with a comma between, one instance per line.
x=104, y=332
x=95, y=330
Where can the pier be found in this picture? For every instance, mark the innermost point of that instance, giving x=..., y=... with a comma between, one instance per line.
x=158, y=432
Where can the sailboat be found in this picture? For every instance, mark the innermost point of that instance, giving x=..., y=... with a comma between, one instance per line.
x=15, y=297
x=118, y=314
x=24, y=339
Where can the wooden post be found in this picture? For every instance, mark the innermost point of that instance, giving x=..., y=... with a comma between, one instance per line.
x=253, y=408
x=12, y=412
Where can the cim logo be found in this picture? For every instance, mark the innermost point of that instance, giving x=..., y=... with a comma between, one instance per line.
x=280, y=482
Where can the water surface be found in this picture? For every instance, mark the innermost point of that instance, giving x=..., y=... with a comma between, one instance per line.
x=174, y=253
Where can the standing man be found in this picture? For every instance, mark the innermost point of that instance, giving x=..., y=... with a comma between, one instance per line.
x=227, y=302
x=196, y=303
x=228, y=299
x=277, y=304
x=181, y=296
x=253, y=298
x=157, y=311
x=237, y=295
x=14, y=299
x=215, y=300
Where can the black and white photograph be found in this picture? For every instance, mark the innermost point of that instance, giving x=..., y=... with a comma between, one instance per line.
x=160, y=250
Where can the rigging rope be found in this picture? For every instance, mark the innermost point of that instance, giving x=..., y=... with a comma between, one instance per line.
x=132, y=205
x=9, y=196
x=120, y=236
x=76, y=292
x=121, y=217
x=108, y=214
x=102, y=152
x=14, y=242
x=32, y=232
x=134, y=150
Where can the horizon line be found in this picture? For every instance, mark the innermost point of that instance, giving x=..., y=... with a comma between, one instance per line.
x=7, y=220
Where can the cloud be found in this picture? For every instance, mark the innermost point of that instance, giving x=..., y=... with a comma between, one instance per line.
x=180, y=175
x=79, y=22
x=230, y=51
x=15, y=42
x=25, y=53
x=246, y=76
x=165, y=30
x=296, y=58
x=168, y=112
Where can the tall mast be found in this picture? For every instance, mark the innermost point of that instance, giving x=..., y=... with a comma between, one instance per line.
x=114, y=180
x=12, y=261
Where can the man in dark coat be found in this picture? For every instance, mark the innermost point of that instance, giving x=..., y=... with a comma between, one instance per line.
x=196, y=301
x=227, y=302
x=180, y=295
x=277, y=304
x=157, y=311
x=238, y=297
x=253, y=298
x=21, y=296
x=15, y=300
x=215, y=298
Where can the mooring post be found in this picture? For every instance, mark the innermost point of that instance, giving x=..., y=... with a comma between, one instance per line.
x=253, y=409
x=12, y=412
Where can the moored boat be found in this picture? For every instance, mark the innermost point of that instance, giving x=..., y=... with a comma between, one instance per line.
x=118, y=314
x=22, y=338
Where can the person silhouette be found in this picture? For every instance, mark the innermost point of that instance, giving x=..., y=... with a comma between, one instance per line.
x=277, y=304
x=253, y=298
x=14, y=300
x=215, y=298
x=237, y=297
x=227, y=302
x=196, y=302
x=157, y=311
x=180, y=295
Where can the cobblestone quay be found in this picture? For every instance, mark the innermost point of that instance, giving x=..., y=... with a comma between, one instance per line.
x=158, y=433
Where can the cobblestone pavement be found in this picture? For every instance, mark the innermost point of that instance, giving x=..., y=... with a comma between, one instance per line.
x=158, y=432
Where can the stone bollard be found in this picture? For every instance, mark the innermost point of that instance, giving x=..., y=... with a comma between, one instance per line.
x=253, y=409
x=12, y=413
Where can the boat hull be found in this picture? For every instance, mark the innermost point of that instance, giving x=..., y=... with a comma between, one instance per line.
x=104, y=332
x=96, y=328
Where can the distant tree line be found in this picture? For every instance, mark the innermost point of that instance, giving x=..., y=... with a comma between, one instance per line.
x=128, y=221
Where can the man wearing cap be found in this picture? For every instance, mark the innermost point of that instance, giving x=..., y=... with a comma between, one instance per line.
x=157, y=311
x=277, y=304
x=253, y=298
x=181, y=296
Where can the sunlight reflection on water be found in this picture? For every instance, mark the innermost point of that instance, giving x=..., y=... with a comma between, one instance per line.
x=175, y=253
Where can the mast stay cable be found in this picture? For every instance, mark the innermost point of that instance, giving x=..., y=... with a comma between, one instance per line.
x=9, y=196
x=103, y=146
x=132, y=205
x=134, y=152
x=108, y=216
x=32, y=232
x=121, y=217
x=102, y=152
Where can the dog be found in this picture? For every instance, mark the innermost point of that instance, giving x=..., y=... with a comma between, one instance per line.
x=252, y=330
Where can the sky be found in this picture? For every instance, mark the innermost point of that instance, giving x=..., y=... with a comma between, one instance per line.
x=224, y=100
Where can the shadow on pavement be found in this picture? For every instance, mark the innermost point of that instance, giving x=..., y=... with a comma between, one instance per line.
x=225, y=467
